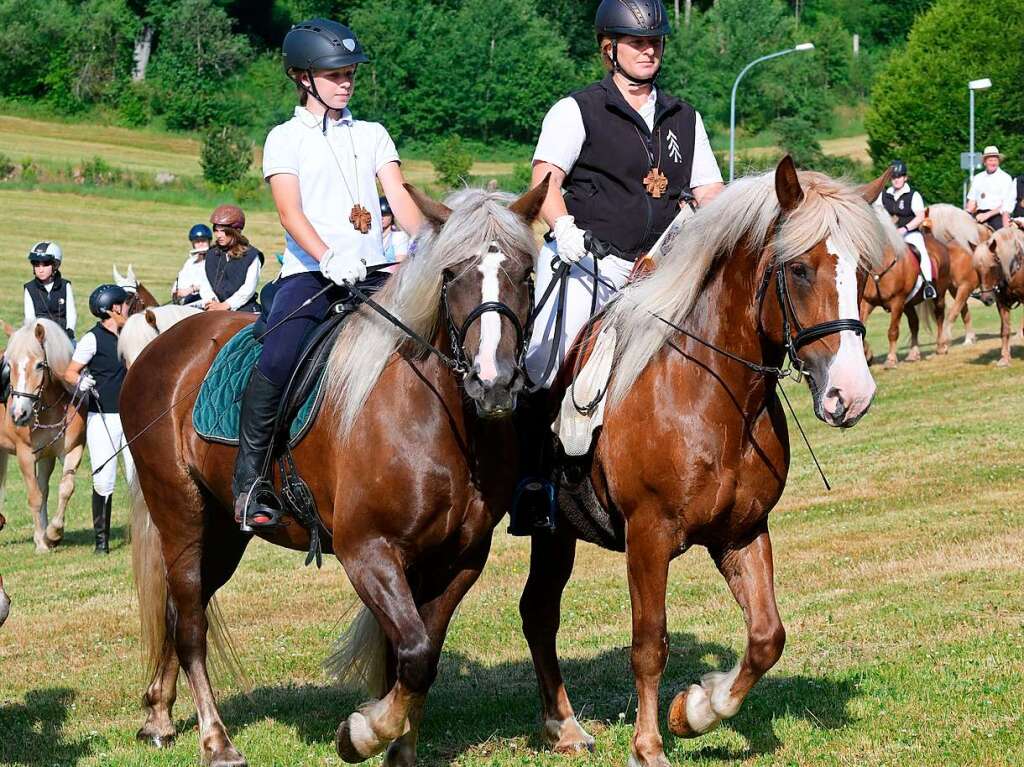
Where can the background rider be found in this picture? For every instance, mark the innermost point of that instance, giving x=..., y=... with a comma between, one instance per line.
x=187, y=287
x=232, y=265
x=907, y=208
x=48, y=295
x=993, y=193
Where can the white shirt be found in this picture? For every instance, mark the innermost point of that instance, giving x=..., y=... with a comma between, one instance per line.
x=192, y=273
x=241, y=296
x=562, y=137
x=396, y=245
x=85, y=350
x=993, y=191
x=70, y=315
x=298, y=147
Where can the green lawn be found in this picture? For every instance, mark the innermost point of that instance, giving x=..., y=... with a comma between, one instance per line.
x=900, y=590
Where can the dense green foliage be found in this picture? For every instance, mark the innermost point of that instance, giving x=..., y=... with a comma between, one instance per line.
x=485, y=69
x=920, y=109
x=226, y=155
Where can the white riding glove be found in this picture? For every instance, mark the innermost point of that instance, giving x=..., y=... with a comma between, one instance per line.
x=571, y=246
x=342, y=270
x=86, y=383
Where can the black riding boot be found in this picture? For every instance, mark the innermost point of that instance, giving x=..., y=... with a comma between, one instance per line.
x=534, y=505
x=101, y=522
x=256, y=504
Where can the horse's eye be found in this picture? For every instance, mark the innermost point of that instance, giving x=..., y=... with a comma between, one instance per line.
x=39, y=366
x=801, y=272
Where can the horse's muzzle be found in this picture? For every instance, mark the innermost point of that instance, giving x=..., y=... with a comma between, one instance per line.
x=21, y=411
x=495, y=399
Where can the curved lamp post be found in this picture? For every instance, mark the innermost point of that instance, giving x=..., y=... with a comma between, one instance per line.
x=735, y=85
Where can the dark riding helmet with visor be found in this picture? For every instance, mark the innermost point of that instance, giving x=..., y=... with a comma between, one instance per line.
x=635, y=18
x=104, y=298
x=318, y=44
x=899, y=168
x=200, y=232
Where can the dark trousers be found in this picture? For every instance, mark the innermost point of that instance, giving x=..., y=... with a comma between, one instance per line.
x=995, y=223
x=283, y=344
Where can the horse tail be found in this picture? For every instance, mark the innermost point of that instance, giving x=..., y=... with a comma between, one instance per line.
x=155, y=611
x=926, y=314
x=358, y=659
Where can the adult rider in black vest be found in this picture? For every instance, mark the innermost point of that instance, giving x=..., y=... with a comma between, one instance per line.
x=48, y=295
x=98, y=372
x=623, y=156
x=232, y=265
x=1018, y=208
x=906, y=206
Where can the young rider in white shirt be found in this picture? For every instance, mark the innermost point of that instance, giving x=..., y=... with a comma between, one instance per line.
x=323, y=167
x=190, y=279
x=907, y=207
x=992, y=196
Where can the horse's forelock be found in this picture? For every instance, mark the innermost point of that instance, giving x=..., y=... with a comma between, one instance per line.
x=56, y=345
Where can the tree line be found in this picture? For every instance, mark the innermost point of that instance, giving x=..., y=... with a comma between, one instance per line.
x=484, y=69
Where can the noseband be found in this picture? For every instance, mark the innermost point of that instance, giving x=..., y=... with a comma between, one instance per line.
x=36, y=397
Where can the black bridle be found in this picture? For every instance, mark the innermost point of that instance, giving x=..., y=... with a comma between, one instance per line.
x=38, y=406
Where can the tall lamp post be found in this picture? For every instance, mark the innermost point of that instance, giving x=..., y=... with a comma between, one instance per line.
x=735, y=85
x=972, y=162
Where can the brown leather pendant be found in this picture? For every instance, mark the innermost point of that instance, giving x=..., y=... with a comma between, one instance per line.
x=361, y=218
x=656, y=183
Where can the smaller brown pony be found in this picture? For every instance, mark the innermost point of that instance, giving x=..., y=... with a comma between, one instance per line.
x=999, y=262
x=41, y=423
x=893, y=288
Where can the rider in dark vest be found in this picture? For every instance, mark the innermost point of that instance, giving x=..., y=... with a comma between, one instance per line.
x=622, y=156
x=232, y=264
x=97, y=372
x=1018, y=209
x=48, y=295
x=907, y=209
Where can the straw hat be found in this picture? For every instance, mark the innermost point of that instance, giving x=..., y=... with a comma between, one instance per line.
x=992, y=151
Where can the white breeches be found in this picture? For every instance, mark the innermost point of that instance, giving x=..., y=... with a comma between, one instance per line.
x=916, y=239
x=104, y=436
x=578, y=299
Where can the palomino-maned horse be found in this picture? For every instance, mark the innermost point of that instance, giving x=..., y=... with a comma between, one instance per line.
x=962, y=234
x=694, y=450
x=1000, y=263
x=142, y=328
x=412, y=461
x=40, y=415
x=898, y=286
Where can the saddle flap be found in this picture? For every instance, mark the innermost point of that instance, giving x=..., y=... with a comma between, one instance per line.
x=578, y=416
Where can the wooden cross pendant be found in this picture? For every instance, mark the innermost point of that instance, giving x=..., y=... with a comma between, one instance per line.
x=656, y=183
x=360, y=218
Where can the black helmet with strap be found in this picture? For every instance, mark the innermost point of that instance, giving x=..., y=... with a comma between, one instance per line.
x=637, y=18
x=105, y=297
x=899, y=168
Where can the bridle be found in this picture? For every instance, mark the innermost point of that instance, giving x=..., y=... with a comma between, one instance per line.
x=877, y=276
x=38, y=406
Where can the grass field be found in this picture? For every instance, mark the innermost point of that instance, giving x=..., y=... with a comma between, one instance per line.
x=900, y=590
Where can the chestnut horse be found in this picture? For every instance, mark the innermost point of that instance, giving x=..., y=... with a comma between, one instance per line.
x=1000, y=263
x=139, y=297
x=892, y=287
x=42, y=422
x=412, y=461
x=694, y=450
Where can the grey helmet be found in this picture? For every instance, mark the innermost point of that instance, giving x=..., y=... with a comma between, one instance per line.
x=321, y=44
x=46, y=253
x=640, y=18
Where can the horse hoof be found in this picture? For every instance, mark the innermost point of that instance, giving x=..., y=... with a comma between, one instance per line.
x=228, y=757
x=155, y=739
x=54, y=535
x=355, y=740
x=658, y=761
x=42, y=548
x=890, y=364
x=678, y=724
x=970, y=340
x=1003, y=363
x=567, y=737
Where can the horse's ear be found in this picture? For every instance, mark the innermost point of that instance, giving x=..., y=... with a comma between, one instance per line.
x=131, y=273
x=118, y=279
x=40, y=333
x=435, y=212
x=787, y=185
x=8, y=329
x=870, y=192
x=992, y=244
x=151, y=320
x=528, y=206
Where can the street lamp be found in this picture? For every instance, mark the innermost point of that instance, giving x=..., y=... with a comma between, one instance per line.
x=972, y=162
x=735, y=85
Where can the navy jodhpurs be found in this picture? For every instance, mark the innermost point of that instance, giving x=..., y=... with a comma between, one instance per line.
x=283, y=345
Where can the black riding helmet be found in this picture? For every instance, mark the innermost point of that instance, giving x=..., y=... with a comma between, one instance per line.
x=385, y=208
x=104, y=298
x=638, y=18
x=320, y=44
x=899, y=168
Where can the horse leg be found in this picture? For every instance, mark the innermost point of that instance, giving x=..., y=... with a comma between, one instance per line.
x=865, y=312
x=914, y=321
x=749, y=573
x=437, y=615
x=551, y=563
x=647, y=560
x=1004, y=332
x=380, y=580
x=970, y=337
x=895, y=315
x=55, y=529
x=27, y=464
x=158, y=701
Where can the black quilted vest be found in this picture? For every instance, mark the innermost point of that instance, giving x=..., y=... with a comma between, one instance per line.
x=1018, y=209
x=900, y=208
x=108, y=370
x=52, y=305
x=226, y=274
x=604, y=191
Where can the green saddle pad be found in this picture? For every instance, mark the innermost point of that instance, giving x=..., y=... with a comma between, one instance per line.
x=219, y=404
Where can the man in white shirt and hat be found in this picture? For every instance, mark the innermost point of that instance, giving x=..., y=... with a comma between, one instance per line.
x=993, y=193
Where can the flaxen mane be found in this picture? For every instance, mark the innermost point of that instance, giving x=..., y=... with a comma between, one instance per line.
x=746, y=211
x=58, y=348
x=1009, y=243
x=413, y=293
x=952, y=224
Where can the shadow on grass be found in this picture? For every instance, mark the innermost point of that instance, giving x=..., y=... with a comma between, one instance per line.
x=471, y=705
x=992, y=355
x=31, y=733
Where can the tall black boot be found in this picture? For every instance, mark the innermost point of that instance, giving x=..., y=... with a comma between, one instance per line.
x=534, y=503
x=107, y=508
x=256, y=505
x=100, y=522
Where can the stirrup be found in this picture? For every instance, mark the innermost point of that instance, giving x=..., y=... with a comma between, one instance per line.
x=261, y=508
x=929, y=291
x=533, y=507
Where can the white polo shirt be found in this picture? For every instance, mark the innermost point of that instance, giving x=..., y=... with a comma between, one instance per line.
x=298, y=147
x=993, y=191
x=562, y=136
